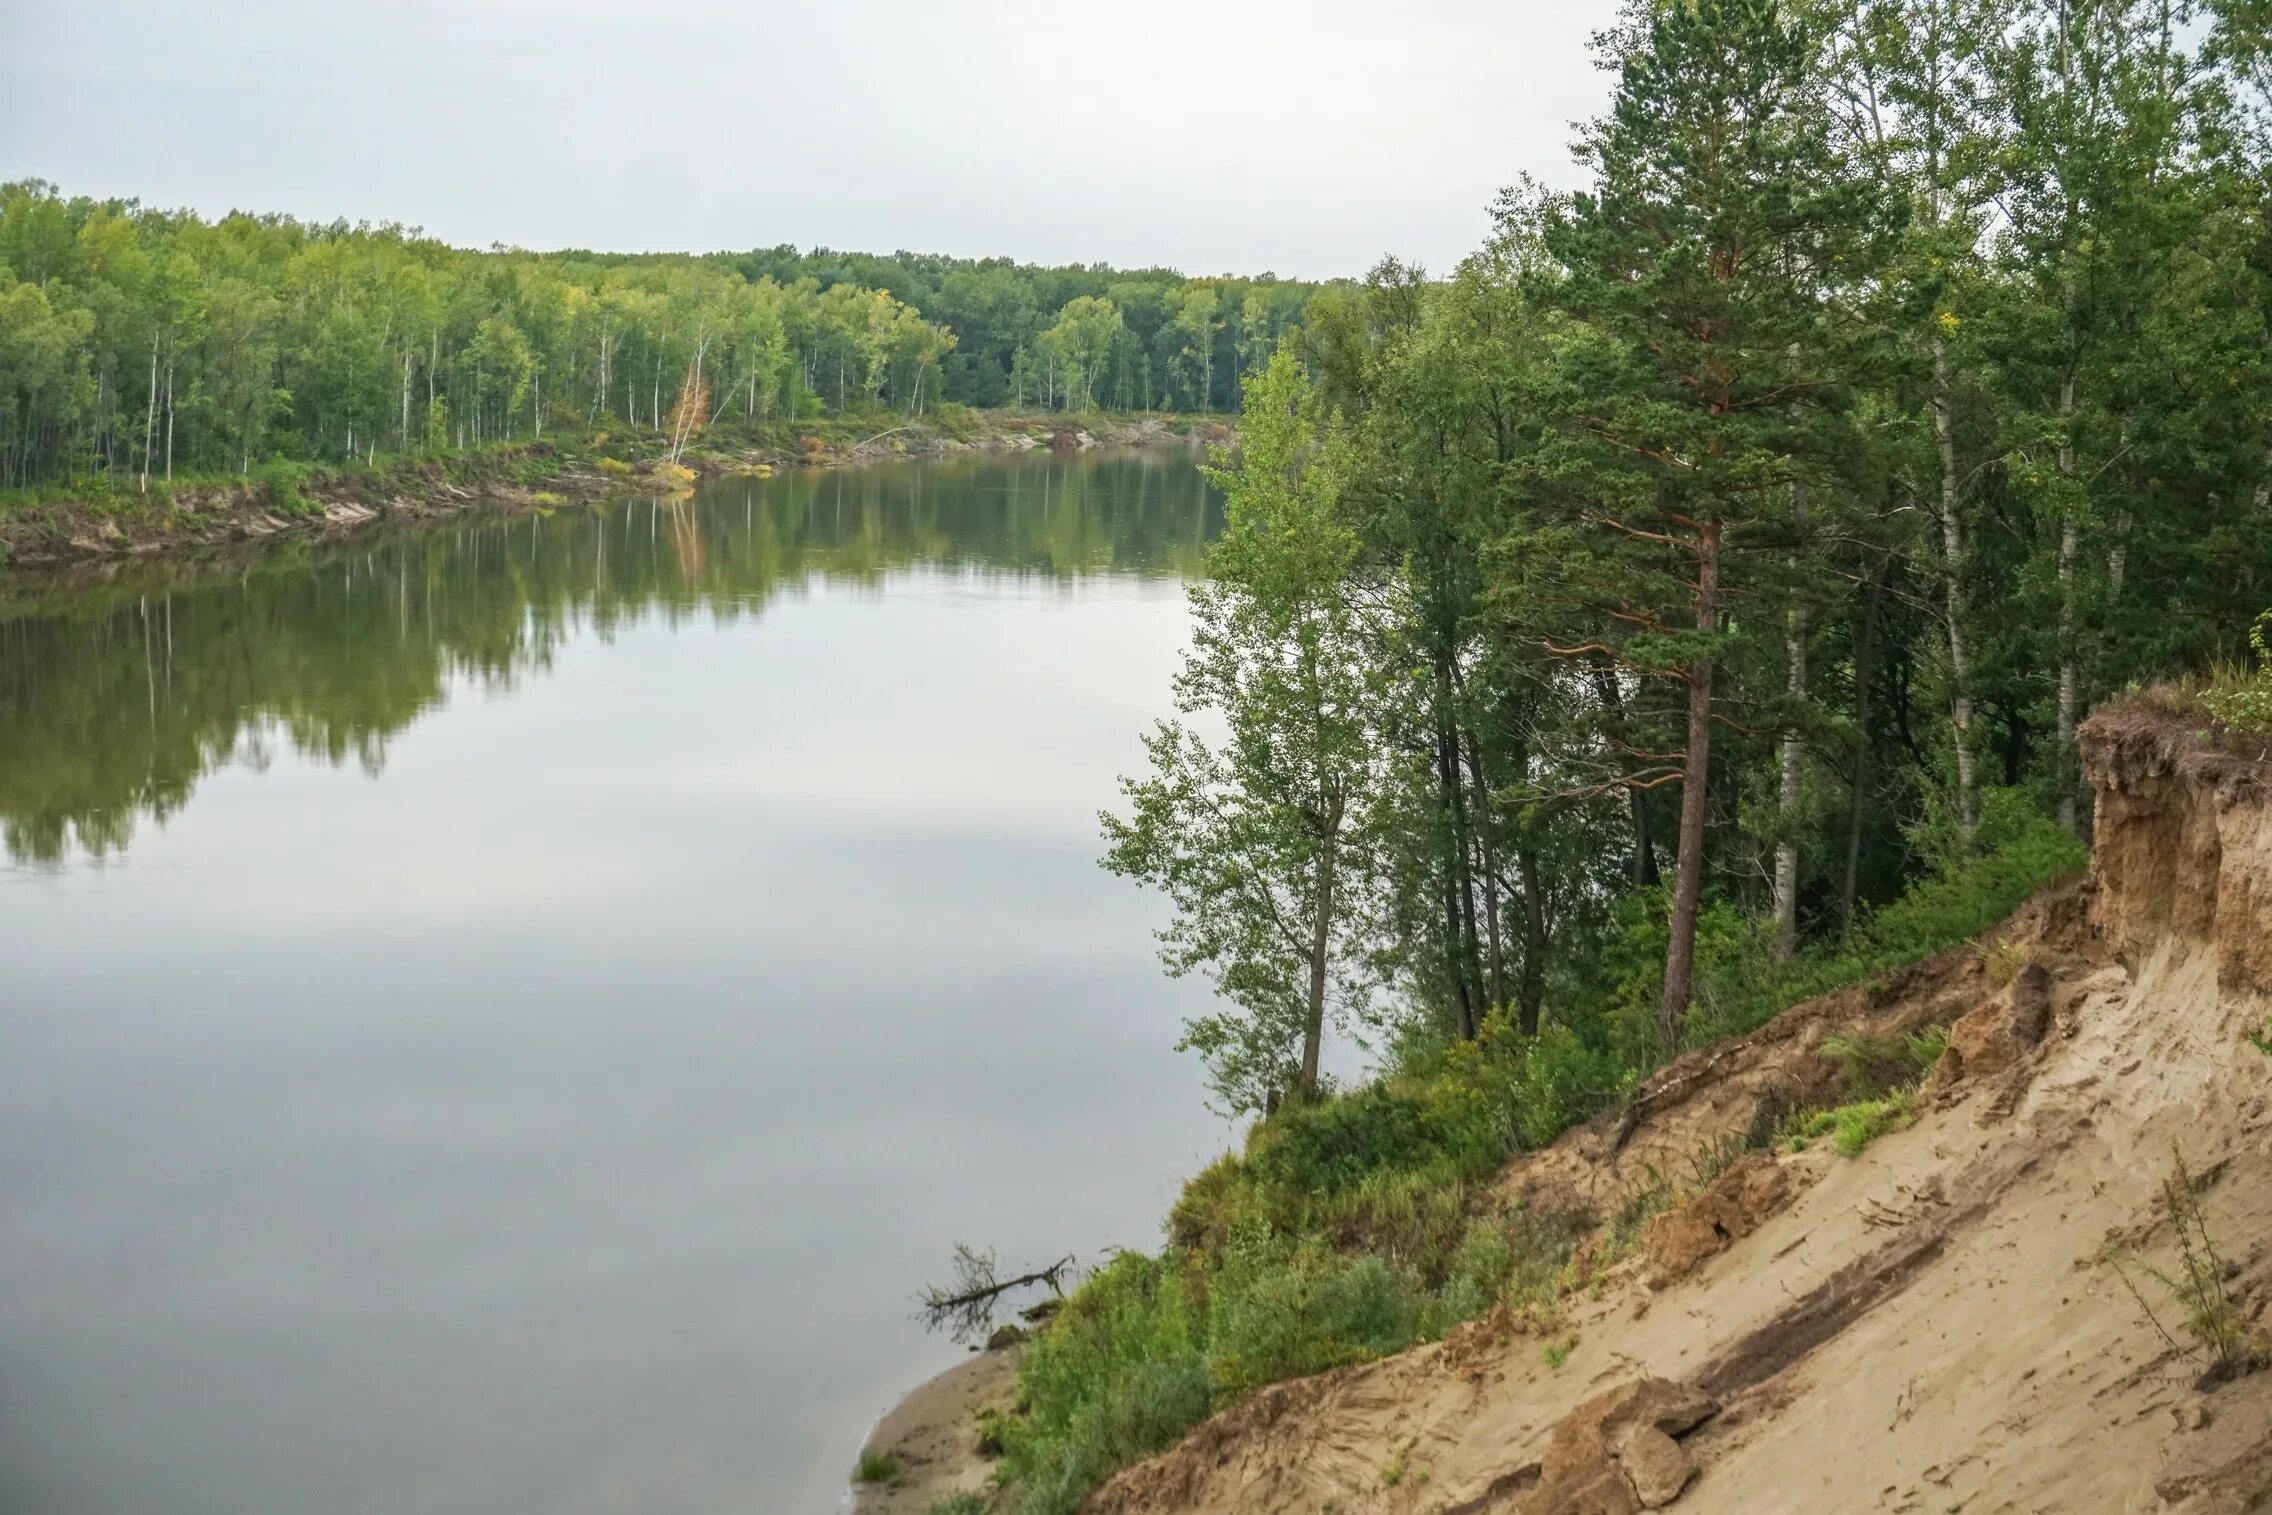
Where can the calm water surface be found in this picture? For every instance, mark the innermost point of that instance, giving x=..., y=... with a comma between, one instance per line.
x=503, y=1019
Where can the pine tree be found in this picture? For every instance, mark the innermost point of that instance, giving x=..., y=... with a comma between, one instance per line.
x=1703, y=261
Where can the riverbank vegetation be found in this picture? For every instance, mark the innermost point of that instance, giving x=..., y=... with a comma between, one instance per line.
x=1683, y=608
x=139, y=344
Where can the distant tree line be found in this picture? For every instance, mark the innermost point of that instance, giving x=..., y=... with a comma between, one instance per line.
x=135, y=343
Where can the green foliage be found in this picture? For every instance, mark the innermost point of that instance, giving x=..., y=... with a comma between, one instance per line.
x=138, y=343
x=279, y=484
x=957, y=1504
x=2244, y=703
x=1150, y=1345
x=1851, y=1127
x=1874, y=1064
x=878, y=1467
x=1251, y=835
x=1282, y=1309
x=1117, y=1376
x=1864, y=1122
x=2200, y=1284
x=2019, y=851
x=1358, y=1223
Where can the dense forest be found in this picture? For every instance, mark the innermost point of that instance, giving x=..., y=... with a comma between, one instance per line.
x=1722, y=549
x=137, y=342
x=1684, y=607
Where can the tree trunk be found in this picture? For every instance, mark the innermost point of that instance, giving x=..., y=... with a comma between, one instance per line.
x=1530, y=992
x=1471, y=949
x=2070, y=690
x=1952, y=596
x=1457, y=940
x=1644, y=862
x=150, y=417
x=1865, y=657
x=1463, y=1010
x=1794, y=757
x=1688, y=867
x=1483, y=829
x=1321, y=929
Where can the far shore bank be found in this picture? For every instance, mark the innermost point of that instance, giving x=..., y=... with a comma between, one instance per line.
x=53, y=538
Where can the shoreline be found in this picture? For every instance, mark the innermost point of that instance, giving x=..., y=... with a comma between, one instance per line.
x=933, y=1432
x=48, y=542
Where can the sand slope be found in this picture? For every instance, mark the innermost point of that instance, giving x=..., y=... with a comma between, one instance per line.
x=1932, y=1326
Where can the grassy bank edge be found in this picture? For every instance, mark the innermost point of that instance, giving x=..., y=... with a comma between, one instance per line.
x=1369, y=1222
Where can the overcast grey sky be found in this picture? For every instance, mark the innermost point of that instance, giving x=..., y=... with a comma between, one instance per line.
x=1219, y=137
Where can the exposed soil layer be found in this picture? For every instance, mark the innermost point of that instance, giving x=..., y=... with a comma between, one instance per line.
x=1961, y=1318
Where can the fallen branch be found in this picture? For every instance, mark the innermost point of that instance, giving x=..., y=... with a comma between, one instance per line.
x=967, y=1309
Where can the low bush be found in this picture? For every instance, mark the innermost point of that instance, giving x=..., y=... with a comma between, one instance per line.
x=1150, y=1346
x=2199, y=1286
x=1851, y=1128
x=2244, y=701
x=878, y=1467
x=279, y=486
x=1875, y=1064
x=957, y=1504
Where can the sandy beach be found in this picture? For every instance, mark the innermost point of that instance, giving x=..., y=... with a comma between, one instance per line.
x=934, y=1434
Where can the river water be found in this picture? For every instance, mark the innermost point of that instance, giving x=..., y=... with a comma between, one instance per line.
x=504, y=1018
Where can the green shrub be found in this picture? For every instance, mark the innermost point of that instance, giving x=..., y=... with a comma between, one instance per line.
x=2021, y=852
x=1853, y=1127
x=1560, y=1081
x=1477, y=1275
x=2245, y=703
x=1282, y=1311
x=1874, y=1064
x=965, y=1503
x=1335, y=1143
x=1865, y=1121
x=878, y=1467
x=278, y=484
x=1117, y=1376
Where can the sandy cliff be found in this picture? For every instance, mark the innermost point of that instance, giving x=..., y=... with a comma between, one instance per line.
x=1939, y=1324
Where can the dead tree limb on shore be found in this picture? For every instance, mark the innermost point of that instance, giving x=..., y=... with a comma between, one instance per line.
x=967, y=1310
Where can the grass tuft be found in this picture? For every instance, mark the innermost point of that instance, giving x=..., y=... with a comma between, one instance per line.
x=965, y=1503
x=878, y=1467
x=1850, y=1127
x=2240, y=700
x=2197, y=1286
